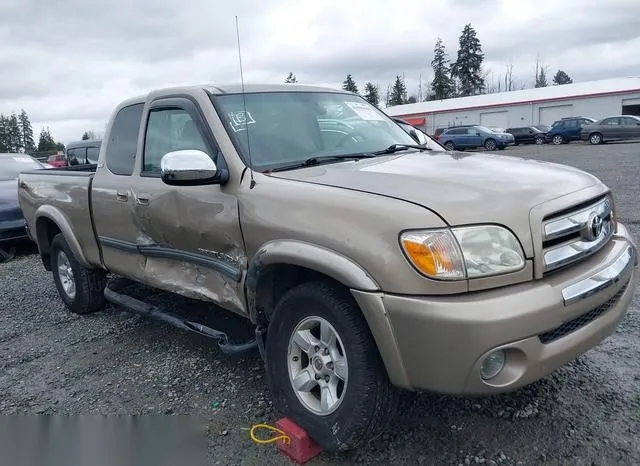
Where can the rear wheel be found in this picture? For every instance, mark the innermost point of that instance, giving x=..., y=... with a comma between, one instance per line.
x=595, y=139
x=81, y=289
x=324, y=369
x=490, y=144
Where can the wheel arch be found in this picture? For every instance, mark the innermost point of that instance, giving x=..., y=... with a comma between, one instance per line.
x=294, y=262
x=50, y=221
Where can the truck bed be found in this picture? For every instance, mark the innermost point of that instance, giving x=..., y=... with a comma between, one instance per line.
x=61, y=194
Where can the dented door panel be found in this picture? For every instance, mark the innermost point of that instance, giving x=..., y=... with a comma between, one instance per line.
x=190, y=241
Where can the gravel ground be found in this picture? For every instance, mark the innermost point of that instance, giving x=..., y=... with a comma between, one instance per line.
x=113, y=362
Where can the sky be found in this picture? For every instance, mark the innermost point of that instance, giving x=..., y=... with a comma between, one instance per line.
x=69, y=62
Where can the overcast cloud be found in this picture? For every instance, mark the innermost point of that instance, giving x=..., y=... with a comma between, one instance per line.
x=69, y=62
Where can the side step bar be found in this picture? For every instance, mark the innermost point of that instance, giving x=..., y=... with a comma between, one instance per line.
x=157, y=313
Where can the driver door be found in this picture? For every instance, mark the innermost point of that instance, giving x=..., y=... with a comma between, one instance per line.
x=189, y=235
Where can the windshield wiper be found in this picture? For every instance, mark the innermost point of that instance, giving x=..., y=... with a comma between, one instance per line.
x=398, y=147
x=318, y=159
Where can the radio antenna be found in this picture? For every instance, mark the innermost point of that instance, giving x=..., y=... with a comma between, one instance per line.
x=244, y=104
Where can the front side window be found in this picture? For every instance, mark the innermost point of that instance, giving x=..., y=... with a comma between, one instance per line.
x=283, y=128
x=169, y=130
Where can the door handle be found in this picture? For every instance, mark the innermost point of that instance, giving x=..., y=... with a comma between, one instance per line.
x=142, y=199
x=122, y=197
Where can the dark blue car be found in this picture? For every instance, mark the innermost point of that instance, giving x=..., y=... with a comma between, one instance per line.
x=12, y=224
x=567, y=129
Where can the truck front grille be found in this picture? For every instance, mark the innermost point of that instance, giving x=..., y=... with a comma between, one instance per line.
x=582, y=320
x=572, y=236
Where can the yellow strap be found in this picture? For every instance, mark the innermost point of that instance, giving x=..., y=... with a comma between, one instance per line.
x=283, y=436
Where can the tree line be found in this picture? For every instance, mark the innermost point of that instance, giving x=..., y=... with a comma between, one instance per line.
x=460, y=78
x=16, y=135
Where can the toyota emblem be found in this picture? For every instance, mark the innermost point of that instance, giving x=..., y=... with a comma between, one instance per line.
x=593, y=227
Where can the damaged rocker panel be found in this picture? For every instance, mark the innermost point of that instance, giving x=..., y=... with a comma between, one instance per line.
x=164, y=252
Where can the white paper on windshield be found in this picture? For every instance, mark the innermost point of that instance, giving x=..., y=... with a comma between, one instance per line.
x=364, y=111
x=22, y=159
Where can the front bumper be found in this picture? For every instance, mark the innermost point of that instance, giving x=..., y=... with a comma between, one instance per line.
x=11, y=230
x=439, y=343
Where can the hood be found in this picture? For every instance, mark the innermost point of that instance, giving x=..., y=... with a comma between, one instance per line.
x=462, y=188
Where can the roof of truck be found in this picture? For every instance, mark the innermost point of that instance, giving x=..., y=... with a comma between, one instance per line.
x=234, y=88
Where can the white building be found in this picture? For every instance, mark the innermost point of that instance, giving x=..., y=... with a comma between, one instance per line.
x=538, y=106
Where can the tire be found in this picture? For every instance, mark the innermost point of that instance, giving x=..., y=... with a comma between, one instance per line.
x=81, y=289
x=450, y=146
x=365, y=400
x=539, y=141
x=595, y=139
x=557, y=139
x=490, y=144
x=502, y=147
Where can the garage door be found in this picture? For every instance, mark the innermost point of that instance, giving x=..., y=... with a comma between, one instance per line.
x=631, y=107
x=497, y=119
x=550, y=114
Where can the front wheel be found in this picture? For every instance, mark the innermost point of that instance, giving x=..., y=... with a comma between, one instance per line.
x=557, y=139
x=81, y=289
x=450, y=146
x=324, y=369
x=490, y=144
x=595, y=139
x=539, y=141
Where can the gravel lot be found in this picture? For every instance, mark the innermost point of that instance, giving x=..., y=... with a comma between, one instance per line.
x=113, y=362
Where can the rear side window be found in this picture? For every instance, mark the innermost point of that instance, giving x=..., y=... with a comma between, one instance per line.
x=123, y=140
x=92, y=154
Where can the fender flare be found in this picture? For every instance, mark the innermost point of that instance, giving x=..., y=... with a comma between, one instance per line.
x=62, y=222
x=310, y=256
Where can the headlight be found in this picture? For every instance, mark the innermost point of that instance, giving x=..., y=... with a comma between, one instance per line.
x=464, y=252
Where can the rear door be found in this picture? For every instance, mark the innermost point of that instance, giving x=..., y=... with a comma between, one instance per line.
x=473, y=138
x=112, y=199
x=611, y=128
x=189, y=236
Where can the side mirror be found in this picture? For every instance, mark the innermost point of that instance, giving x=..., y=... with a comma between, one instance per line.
x=190, y=168
x=477, y=134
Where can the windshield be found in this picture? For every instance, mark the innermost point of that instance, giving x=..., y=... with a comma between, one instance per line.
x=11, y=167
x=288, y=127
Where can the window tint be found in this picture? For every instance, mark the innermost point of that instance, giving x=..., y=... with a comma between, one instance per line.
x=76, y=155
x=629, y=121
x=610, y=121
x=123, y=140
x=457, y=131
x=92, y=154
x=169, y=130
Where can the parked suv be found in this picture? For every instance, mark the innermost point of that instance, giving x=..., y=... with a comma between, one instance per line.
x=83, y=152
x=567, y=129
x=472, y=137
x=527, y=135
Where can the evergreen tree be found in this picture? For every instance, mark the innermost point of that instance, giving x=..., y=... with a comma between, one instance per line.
x=561, y=78
x=541, y=78
x=46, y=142
x=15, y=136
x=468, y=66
x=371, y=94
x=350, y=85
x=4, y=135
x=442, y=85
x=26, y=131
x=398, y=94
x=88, y=135
x=291, y=78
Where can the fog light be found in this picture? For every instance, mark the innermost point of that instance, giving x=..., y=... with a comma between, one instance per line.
x=492, y=365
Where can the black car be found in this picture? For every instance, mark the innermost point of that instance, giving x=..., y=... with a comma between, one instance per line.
x=12, y=224
x=83, y=152
x=527, y=135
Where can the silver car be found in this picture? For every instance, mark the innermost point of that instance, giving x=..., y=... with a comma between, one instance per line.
x=612, y=128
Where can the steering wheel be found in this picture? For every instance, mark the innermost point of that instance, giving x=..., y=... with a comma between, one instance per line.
x=348, y=136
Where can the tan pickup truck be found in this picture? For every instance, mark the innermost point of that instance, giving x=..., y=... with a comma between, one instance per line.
x=367, y=262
